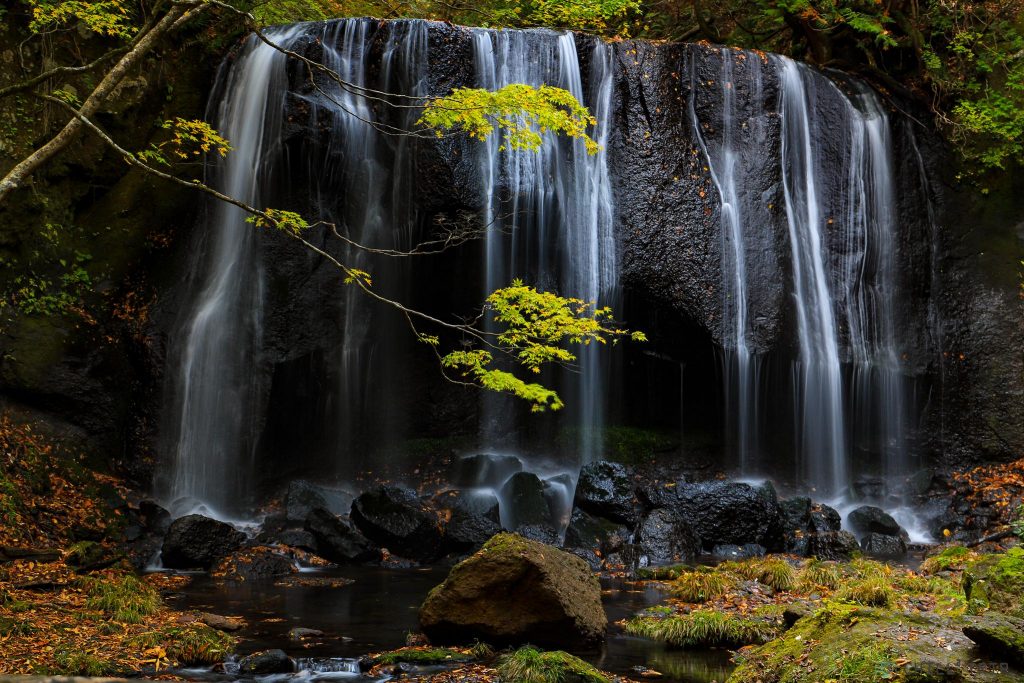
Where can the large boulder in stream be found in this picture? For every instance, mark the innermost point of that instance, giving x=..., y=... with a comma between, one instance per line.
x=516, y=591
x=337, y=539
x=869, y=519
x=730, y=513
x=523, y=493
x=395, y=518
x=666, y=538
x=196, y=542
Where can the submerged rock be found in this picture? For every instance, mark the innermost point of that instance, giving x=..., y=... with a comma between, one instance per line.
x=252, y=564
x=196, y=542
x=266, y=662
x=395, y=518
x=665, y=537
x=516, y=591
x=338, y=540
x=606, y=489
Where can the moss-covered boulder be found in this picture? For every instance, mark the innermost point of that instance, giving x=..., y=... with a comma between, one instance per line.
x=996, y=582
x=999, y=635
x=515, y=591
x=859, y=644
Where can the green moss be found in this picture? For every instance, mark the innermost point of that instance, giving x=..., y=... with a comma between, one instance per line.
x=704, y=628
x=529, y=665
x=430, y=655
x=847, y=643
x=15, y=627
x=952, y=558
x=996, y=582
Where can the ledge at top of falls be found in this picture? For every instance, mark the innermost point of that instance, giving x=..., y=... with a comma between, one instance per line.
x=667, y=210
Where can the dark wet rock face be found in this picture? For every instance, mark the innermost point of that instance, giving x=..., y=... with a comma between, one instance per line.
x=338, y=540
x=395, y=518
x=253, y=564
x=303, y=497
x=869, y=519
x=884, y=546
x=467, y=531
x=196, y=542
x=666, y=537
x=827, y=545
x=266, y=662
x=516, y=591
x=728, y=513
x=587, y=532
x=606, y=489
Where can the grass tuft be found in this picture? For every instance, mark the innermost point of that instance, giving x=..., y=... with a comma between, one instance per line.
x=122, y=597
x=774, y=572
x=702, y=584
x=873, y=591
x=815, y=574
x=704, y=628
x=529, y=665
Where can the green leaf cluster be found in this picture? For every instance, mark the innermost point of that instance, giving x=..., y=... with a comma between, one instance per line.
x=523, y=114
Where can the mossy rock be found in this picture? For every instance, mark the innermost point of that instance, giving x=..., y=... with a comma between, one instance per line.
x=999, y=635
x=996, y=582
x=516, y=591
x=857, y=644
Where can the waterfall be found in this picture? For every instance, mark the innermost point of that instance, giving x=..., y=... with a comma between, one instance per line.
x=843, y=248
x=214, y=402
x=549, y=212
x=741, y=127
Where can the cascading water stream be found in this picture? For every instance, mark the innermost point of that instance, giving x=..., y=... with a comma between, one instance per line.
x=724, y=163
x=818, y=374
x=549, y=212
x=213, y=406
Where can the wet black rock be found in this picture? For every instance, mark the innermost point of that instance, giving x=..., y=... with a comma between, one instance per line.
x=606, y=489
x=395, y=518
x=338, y=540
x=466, y=531
x=829, y=545
x=869, y=519
x=665, y=537
x=588, y=532
x=253, y=564
x=524, y=495
x=541, y=533
x=266, y=662
x=883, y=546
x=196, y=542
x=730, y=513
x=479, y=502
x=485, y=470
x=293, y=538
